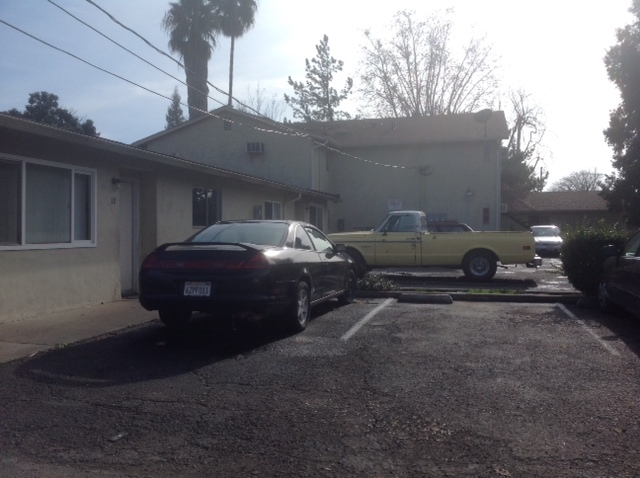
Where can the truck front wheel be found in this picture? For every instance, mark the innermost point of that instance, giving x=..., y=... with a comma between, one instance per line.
x=479, y=265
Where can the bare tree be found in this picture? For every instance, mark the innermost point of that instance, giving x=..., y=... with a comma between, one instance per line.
x=527, y=127
x=521, y=173
x=584, y=180
x=416, y=73
x=259, y=103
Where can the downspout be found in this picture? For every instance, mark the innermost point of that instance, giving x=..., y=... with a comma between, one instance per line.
x=286, y=205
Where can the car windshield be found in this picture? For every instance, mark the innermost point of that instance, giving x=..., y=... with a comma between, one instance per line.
x=259, y=233
x=549, y=231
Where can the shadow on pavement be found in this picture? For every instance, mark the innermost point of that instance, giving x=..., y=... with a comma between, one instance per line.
x=151, y=351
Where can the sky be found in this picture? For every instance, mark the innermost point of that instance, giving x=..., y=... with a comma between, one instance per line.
x=552, y=50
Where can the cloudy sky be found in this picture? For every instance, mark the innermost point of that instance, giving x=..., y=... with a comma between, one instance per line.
x=551, y=49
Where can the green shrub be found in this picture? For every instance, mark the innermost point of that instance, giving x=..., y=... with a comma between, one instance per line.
x=376, y=282
x=582, y=255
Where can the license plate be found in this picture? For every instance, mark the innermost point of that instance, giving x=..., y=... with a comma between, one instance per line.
x=197, y=289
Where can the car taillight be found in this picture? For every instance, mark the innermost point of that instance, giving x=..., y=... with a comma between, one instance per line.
x=151, y=262
x=255, y=262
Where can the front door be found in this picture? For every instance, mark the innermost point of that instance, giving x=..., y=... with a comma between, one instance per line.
x=128, y=224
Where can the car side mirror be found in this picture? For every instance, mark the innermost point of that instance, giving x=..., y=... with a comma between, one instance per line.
x=610, y=251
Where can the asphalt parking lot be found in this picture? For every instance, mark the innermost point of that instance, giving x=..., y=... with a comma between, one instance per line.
x=376, y=388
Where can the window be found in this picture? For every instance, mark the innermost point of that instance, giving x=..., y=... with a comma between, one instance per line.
x=485, y=215
x=632, y=247
x=302, y=240
x=320, y=242
x=272, y=210
x=316, y=216
x=206, y=208
x=44, y=205
x=10, y=193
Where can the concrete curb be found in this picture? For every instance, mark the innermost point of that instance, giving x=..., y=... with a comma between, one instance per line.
x=421, y=298
x=448, y=298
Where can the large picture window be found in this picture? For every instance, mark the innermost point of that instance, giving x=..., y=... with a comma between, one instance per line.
x=45, y=205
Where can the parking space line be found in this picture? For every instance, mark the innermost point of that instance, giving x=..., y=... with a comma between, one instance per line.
x=365, y=319
x=607, y=346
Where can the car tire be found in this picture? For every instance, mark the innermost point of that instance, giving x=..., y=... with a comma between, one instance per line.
x=359, y=262
x=299, y=313
x=604, y=302
x=479, y=265
x=351, y=283
x=174, y=318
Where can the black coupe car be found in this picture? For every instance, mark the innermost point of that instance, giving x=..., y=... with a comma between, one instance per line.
x=620, y=283
x=249, y=268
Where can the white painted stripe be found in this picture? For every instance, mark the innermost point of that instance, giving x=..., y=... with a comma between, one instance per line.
x=365, y=319
x=592, y=332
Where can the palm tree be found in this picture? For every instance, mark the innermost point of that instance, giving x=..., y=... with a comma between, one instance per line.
x=193, y=26
x=236, y=17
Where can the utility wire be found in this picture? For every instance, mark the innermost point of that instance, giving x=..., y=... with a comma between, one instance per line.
x=295, y=133
x=163, y=53
x=127, y=50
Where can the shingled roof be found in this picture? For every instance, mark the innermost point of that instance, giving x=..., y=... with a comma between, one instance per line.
x=463, y=127
x=561, y=201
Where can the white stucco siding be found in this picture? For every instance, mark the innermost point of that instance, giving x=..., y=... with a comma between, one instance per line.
x=49, y=279
x=286, y=159
x=458, y=180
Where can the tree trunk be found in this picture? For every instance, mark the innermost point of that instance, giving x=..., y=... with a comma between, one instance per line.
x=231, y=72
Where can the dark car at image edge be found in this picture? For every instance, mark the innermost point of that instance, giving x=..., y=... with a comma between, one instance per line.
x=250, y=269
x=620, y=281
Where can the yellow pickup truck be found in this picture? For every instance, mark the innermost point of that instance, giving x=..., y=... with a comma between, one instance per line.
x=404, y=240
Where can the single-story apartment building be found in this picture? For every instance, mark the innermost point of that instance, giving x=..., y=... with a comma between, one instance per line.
x=560, y=208
x=79, y=213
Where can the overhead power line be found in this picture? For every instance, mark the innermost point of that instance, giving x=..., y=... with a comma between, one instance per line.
x=289, y=132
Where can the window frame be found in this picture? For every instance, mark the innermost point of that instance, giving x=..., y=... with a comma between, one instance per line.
x=272, y=204
x=317, y=210
x=92, y=205
x=216, y=194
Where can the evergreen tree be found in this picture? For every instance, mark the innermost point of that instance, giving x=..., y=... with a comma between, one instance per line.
x=316, y=99
x=175, y=115
x=622, y=189
x=43, y=107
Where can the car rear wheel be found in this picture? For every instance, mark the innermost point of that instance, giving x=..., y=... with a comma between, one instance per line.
x=479, y=265
x=349, y=289
x=297, y=317
x=174, y=318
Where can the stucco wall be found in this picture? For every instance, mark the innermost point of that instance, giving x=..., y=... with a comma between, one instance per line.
x=456, y=180
x=287, y=159
x=238, y=199
x=36, y=281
